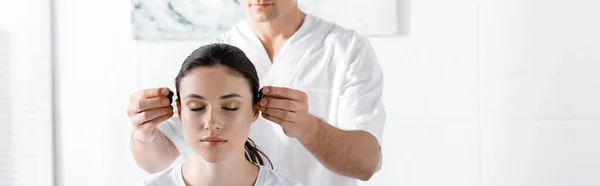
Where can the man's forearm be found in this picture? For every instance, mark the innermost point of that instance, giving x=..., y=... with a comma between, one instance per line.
x=154, y=155
x=353, y=153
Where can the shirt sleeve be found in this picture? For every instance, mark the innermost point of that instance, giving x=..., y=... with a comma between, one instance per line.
x=360, y=105
x=172, y=129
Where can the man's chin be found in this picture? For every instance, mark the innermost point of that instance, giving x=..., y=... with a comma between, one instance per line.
x=264, y=18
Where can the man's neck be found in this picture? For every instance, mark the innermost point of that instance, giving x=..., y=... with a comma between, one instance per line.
x=281, y=28
x=234, y=171
x=275, y=33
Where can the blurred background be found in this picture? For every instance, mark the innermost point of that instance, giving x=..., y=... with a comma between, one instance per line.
x=478, y=92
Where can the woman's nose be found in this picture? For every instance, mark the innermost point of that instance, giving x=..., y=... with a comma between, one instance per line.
x=211, y=122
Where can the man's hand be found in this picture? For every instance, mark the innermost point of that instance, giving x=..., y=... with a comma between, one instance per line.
x=148, y=108
x=288, y=108
x=352, y=153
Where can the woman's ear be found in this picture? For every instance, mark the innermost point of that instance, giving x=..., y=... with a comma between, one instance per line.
x=178, y=107
x=255, y=112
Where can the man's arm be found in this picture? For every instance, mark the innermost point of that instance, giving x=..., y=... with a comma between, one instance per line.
x=151, y=150
x=352, y=153
x=352, y=149
x=154, y=155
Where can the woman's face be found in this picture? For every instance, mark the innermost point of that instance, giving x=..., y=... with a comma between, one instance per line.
x=216, y=111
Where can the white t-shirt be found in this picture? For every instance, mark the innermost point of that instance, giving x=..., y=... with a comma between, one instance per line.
x=337, y=69
x=174, y=177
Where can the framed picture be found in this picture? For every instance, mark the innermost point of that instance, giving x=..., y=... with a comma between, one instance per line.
x=202, y=19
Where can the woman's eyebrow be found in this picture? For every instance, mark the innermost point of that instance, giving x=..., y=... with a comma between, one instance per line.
x=230, y=96
x=195, y=96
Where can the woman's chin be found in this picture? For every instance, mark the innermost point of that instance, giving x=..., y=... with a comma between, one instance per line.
x=211, y=155
x=213, y=159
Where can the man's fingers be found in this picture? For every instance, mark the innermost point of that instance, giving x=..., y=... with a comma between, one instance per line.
x=282, y=104
x=148, y=104
x=154, y=92
x=152, y=114
x=284, y=93
x=281, y=114
x=149, y=125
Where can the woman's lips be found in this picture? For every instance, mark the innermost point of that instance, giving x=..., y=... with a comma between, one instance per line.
x=213, y=141
x=261, y=5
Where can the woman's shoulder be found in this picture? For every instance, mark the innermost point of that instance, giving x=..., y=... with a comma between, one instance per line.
x=169, y=177
x=268, y=176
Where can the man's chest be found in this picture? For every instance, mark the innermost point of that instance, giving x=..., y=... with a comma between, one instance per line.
x=315, y=69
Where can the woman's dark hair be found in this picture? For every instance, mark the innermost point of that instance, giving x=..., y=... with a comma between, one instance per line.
x=234, y=59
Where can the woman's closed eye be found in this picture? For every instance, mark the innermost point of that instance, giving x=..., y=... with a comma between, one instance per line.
x=197, y=109
x=230, y=108
x=224, y=108
x=201, y=107
x=194, y=106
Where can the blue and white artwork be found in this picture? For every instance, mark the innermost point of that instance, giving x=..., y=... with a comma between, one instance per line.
x=202, y=19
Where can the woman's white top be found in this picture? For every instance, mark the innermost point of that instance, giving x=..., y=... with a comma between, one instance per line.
x=174, y=177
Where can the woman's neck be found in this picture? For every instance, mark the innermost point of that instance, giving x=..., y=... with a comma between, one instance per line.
x=234, y=171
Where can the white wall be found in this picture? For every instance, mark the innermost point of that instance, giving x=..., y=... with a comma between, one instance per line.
x=479, y=92
x=539, y=63
x=96, y=73
x=431, y=135
x=25, y=90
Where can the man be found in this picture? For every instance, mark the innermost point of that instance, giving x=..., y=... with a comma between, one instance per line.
x=324, y=128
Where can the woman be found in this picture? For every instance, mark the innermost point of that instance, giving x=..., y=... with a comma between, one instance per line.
x=217, y=96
